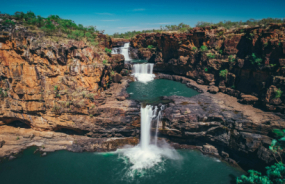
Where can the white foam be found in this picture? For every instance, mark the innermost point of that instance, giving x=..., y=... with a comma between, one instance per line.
x=143, y=72
x=146, y=155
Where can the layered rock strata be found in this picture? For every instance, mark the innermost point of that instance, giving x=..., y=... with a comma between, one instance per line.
x=246, y=62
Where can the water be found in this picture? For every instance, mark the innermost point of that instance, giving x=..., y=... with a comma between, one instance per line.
x=143, y=72
x=122, y=50
x=146, y=154
x=152, y=91
x=85, y=168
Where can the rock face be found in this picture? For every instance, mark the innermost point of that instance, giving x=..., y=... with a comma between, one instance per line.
x=69, y=95
x=244, y=60
x=219, y=125
x=55, y=93
x=119, y=42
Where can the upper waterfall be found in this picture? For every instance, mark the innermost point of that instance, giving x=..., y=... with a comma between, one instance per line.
x=122, y=50
x=143, y=72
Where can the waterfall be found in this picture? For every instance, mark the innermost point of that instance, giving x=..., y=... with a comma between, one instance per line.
x=122, y=50
x=157, y=124
x=143, y=72
x=147, y=155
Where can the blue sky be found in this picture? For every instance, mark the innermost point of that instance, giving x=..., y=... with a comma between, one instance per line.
x=128, y=15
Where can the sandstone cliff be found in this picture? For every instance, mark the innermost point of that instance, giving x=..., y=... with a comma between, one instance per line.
x=246, y=62
x=56, y=94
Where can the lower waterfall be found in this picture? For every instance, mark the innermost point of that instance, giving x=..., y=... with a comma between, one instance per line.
x=148, y=153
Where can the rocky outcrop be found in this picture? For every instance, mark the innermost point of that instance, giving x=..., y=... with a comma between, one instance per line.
x=219, y=125
x=62, y=95
x=119, y=42
x=242, y=61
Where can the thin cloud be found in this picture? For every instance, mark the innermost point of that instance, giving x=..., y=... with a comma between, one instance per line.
x=165, y=23
x=160, y=23
x=110, y=20
x=130, y=27
x=104, y=14
x=139, y=9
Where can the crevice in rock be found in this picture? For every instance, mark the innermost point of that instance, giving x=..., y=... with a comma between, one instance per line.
x=71, y=131
x=19, y=124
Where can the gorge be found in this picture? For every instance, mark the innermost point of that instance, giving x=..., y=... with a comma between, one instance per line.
x=144, y=105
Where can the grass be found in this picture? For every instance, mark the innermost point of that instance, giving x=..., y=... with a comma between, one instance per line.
x=150, y=46
x=105, y=62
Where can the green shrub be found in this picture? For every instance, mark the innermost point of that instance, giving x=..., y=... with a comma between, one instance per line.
x=108, y=51
x=194, y=48
x=77, y=35
x=55, y=88
x=8, y=22
x=221, y=33
x=211, y=56
x=223, y=73
x=265, y=44
x=150, y=46
x=231, y=58
x=278, y=93
x=254, y=60
x=105, y=62
x=112, y=72
x=203, y=48
x=275, y=173
x=206, y=69
x=221, y=52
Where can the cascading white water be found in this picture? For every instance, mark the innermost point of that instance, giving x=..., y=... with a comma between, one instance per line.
x=122, y=50
x=143, y=72
x=157, y=124
x=147, y=155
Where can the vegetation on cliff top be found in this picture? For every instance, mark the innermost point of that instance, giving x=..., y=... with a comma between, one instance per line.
x=127, y=35
x=53, y=25
x=250, y=22
x=182, y=28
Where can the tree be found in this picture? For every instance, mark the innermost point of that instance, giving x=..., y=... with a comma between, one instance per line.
x=275, y=174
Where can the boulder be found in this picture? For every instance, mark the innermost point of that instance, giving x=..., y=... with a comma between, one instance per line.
x=248, y=99
x=213, y=89
x=117, y=78
x=209, y=149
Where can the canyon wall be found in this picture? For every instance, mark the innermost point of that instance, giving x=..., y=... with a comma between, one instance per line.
x=53, y=90
x=247, y=62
